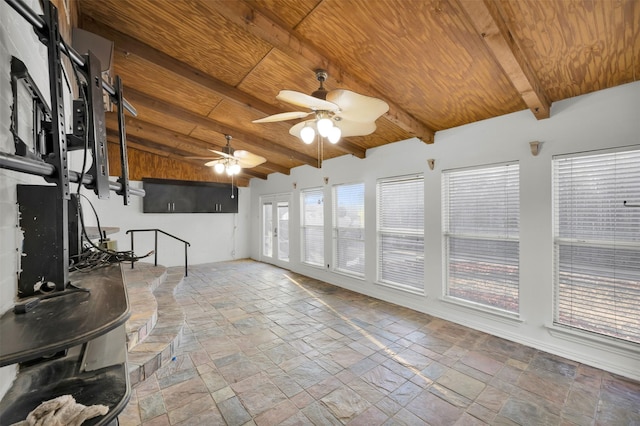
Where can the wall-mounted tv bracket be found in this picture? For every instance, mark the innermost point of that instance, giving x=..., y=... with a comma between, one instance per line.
x=40, y=117
x=89, y=125
x=124, y=162
x=54, y=166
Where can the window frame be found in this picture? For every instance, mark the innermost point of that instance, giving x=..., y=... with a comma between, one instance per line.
x=447, y=235
x=584, y=242
x=382, y=231
x=304, y=226
x=336, y=230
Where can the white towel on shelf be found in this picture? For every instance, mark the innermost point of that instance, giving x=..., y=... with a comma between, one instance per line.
x=62, y=411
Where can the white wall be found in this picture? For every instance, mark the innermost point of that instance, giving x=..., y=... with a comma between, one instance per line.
x=16, y=39
x=214, y=237
x=609, y=118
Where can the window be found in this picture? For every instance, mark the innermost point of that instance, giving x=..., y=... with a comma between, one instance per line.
x=267, y=227
x=481, y=235
x=597, y=243
x=283, y=230
x=401, y=232
x=313, y=227
x=348, y=228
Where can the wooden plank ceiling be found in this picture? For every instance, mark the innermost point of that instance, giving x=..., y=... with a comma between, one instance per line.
x=197, y=70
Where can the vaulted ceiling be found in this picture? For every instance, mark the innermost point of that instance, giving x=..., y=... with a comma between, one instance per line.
x=197, y=70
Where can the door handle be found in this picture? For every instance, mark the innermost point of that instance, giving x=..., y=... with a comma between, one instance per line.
x=275, y=231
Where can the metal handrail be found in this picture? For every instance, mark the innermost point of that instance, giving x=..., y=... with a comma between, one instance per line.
x=155, y=248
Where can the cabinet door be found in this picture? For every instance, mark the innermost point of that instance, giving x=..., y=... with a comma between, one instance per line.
x=183, y=198
x=157, y=199
x=189, y=197
x=228, y=204
x=204, y=199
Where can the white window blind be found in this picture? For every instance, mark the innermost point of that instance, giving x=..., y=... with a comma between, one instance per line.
x=401, y=232
x=597, y=243
x=348, y=226
x=481, y=235
x=313, y=227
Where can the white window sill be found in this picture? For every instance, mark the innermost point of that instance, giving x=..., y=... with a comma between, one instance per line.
x=312, y=265
x=594, y=340
x=486, y=311
x=402, y=288
x=348, y=274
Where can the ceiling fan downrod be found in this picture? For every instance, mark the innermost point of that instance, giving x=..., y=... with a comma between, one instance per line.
x=227, y=149
x=321, y=76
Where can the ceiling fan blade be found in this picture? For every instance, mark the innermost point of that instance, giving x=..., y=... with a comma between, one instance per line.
x=242, y=163
x=246, y=157
x=222, y=154
x=201, y=158
x=283, y=116
x=306, y=101
x=356, y=128
x=356, y=107
x=247, y=165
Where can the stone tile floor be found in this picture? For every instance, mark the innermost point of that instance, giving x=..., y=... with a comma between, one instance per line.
x=265, y=346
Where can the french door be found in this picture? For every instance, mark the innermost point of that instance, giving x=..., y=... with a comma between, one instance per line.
x=275, y=229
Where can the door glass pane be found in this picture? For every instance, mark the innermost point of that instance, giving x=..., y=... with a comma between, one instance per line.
x=283, y=231
x=267, y=229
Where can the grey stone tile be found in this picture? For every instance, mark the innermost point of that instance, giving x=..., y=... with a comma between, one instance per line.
x=233, y=412
x=528, y=412
x=320, y=415
x=256, y=349
x=405, y=393
x=151, y=406
x=434, y=410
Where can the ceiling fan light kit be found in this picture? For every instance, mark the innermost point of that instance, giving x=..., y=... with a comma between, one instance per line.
x=338, y=113
x=229, y=166
x=232, y=161
x=307, y=134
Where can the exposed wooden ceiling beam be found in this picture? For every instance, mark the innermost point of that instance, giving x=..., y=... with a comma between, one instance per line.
x=142, y=99
x=489, y=22
x=158, y=135
x=258, y=24
x=130, y=45
x=173, y=153
x=240, y=180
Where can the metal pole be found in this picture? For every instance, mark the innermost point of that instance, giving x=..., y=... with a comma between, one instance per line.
x=58, y=157
x=22, y=164
x=155, y=251
x=122, y=132
x=132, y=251
x=38, y=23
x=186, y=273
x=39, y=168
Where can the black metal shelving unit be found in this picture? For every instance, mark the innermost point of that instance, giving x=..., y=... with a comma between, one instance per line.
x=73, y=341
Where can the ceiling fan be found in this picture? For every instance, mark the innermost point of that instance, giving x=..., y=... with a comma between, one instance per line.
x=337, y=113
x=230, y=160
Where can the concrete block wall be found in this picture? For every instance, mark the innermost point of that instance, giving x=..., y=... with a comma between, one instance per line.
x=18, y=39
